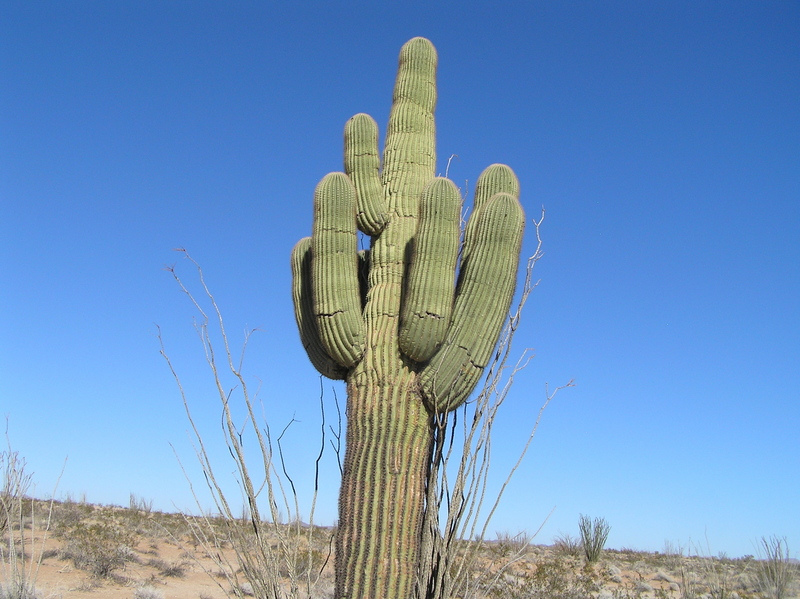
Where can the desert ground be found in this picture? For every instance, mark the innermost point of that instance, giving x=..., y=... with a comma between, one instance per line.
x=75, y=550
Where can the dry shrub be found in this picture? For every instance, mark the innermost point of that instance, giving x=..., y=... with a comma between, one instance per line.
x=100, y=548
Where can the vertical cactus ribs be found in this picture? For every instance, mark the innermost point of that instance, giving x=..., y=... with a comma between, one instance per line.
x=408, y=327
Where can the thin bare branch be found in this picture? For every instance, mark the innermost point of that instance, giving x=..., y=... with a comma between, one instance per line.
x=268, y=551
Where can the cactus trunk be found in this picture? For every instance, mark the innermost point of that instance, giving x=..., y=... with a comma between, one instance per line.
x=381, y=501
x=408, y=327
x=388, y=441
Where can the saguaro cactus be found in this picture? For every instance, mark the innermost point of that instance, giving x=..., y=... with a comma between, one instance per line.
x=409, y=324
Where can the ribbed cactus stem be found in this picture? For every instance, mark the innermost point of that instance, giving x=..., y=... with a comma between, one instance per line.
x=409, y=337
x=430, y=285
x=334, y=270
x=304, y=313
x=388, y=441
x=485, y=290
x=382, y=498
x=495, y=178
x=362, y=164
x=409, y=155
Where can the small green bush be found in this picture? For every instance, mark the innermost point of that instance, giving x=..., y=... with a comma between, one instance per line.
x=566, y=544
x=100, y=548
x=775, y=571
x=594, y=534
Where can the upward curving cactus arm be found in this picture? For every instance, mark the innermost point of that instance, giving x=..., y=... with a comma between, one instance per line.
x=485, y=290
x=430, y=285
x=495, y=178
x=302, y=295
x=334, y=270
x=362, y=165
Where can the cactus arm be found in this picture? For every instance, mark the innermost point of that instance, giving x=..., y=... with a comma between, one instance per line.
x=334, y=270
x=430, y=284
x=304, y=312
x=362, y=165
x=485, y=290
x=495, y=178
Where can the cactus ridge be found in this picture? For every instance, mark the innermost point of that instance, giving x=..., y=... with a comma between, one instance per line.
x=409, y=155
x=495, y=178
x=362, y=165
x=416, y=74
x=430, y=284
x=485, y=289
x=334, y=270
x=302, y=295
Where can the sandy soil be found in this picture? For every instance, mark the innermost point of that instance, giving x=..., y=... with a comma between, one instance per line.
x=162, y=561
x=59, y=578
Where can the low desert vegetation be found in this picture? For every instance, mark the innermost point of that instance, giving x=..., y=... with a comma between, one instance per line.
x=21, y=551
x=127, y=552
x=776, y=571
x=594, y=534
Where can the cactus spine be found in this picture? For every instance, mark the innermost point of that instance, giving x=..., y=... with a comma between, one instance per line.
x=407, y=336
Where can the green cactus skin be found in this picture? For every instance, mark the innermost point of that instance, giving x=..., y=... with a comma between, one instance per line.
x=334, y=270
x=408, y=339
x=485, y=290
x=362, y=164
x=495, y=178
x=430, y=287
x=304, y=313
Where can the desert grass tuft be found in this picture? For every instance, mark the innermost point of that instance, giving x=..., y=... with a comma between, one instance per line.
x=776, y=571
x=594, y=534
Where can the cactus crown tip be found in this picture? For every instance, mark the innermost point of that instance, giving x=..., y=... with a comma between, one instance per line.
x=419, y=46
x=418, y=40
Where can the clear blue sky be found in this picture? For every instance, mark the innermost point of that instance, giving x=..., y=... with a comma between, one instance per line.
x=663, y=138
